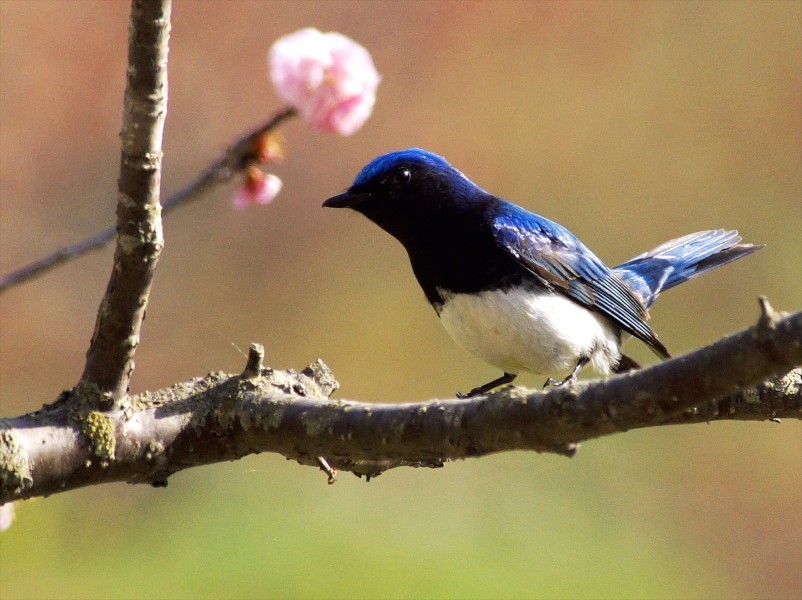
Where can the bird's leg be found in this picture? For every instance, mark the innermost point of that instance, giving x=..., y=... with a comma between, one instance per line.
x=482, y=389
x=571, y=378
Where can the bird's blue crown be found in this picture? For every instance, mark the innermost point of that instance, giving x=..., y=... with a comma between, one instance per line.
x=387, y=162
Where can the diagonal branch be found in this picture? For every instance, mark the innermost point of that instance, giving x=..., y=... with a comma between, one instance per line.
x=224, y=417
x=236, y=159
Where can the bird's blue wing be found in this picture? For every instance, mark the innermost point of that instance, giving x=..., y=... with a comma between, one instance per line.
x=561, y=262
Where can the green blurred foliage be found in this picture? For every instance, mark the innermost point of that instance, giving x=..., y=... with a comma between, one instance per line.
x=630, y=123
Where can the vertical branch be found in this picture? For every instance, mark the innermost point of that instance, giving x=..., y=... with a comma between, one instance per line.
x=110, y=358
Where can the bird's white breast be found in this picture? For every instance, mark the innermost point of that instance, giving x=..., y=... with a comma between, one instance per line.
x=533, y=331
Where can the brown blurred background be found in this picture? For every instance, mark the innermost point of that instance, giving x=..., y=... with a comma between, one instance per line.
x=630, y=123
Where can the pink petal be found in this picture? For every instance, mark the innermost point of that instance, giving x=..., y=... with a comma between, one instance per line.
x=268, y=190
x=328, y=77
x=258, y=188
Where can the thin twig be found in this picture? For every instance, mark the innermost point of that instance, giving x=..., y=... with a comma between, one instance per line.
x=235, y=160
x=327, y=469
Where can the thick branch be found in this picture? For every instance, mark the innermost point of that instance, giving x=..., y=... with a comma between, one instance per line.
x=224, y=417
x=110, y=359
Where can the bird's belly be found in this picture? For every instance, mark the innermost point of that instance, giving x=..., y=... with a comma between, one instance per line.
x=533, y=331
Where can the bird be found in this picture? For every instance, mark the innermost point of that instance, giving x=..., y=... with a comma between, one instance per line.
x=517, y=290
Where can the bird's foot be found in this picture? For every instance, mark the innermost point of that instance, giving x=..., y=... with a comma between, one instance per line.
x=571, y=377
x=550, y=382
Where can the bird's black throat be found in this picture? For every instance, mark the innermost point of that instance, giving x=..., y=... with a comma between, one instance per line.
x=459, y=259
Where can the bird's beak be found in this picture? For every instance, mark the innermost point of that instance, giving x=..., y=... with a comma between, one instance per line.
x=345, y=200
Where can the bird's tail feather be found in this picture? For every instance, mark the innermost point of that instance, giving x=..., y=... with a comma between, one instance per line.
x=679, y=260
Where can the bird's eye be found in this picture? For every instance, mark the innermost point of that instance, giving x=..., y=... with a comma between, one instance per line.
x=401, y=177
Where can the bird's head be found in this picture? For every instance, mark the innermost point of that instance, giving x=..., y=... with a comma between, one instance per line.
x=403, y=190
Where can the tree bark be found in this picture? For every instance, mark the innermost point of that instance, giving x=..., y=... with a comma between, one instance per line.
x=223, y=417
x=110, y=358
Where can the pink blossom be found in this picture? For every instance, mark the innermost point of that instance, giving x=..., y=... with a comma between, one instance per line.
x=328, y=77
x=258, y=188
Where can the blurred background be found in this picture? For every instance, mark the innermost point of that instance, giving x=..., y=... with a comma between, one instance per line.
x=630, y=123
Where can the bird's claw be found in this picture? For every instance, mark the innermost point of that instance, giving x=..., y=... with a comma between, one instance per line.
x=550, y=382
